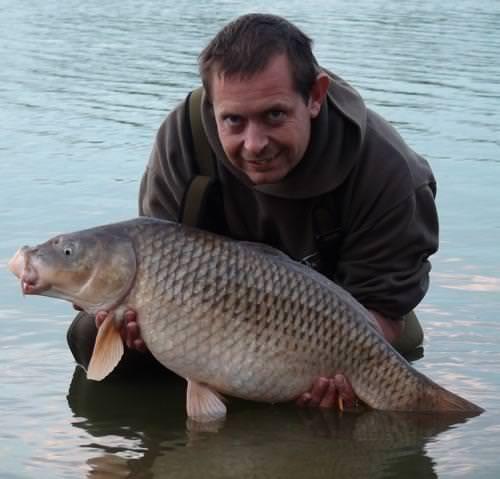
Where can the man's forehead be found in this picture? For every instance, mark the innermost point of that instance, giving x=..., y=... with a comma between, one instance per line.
x=272, y=85
x=276, y=64
x=253, y=100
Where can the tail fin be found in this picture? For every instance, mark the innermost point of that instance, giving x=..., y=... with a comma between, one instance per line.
x=439, y=399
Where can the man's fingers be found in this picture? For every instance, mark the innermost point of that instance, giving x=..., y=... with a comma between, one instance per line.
x=322, y=393
x=318, y=391
x=130, y=316
x=140, y=345
x=329, y=393
x=345, y=392
x=329, y=399
x=134, y=339
x=130, y=330
x=100, y=317
x=303, y=400
x=132, y=333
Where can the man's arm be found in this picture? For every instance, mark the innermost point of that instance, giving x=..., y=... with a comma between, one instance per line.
x=391, y=329
x=170, y=168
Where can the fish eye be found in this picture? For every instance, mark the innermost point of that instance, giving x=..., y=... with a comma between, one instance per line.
x=68, y=251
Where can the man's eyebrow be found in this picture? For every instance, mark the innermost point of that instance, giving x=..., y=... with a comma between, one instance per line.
x=231, y=110
x=228, y=113
x=278, y=105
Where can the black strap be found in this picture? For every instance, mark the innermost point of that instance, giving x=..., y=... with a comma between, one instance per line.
x=202, y=204
x=202, y=152
x=328, y=235
x=192, y=201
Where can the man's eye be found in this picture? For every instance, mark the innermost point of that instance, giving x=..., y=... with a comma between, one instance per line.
x=276, y=115
x=233, y=120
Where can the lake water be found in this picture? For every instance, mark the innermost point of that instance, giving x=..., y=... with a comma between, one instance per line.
x=83, y=87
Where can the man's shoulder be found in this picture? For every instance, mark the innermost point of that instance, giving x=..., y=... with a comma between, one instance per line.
x=386, y=153
x=177, y=114
x=347, y=102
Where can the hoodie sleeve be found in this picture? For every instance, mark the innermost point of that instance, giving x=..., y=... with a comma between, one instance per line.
x=169, y=169
x=386, y=266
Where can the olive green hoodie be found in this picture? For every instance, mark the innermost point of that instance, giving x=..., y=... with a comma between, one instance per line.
x=357, y=167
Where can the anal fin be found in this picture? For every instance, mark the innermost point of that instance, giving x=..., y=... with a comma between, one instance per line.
x=108, y=350
x=203, y=404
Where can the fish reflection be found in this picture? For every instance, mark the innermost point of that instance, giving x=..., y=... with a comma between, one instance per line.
x=139, y=429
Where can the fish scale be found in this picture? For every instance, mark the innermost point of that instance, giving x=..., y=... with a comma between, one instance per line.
x=231, y=294
x=240, y=318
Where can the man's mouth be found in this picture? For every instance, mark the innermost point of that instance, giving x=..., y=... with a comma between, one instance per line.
x=263, y=161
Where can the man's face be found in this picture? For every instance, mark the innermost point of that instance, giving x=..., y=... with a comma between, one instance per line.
x=264, y=124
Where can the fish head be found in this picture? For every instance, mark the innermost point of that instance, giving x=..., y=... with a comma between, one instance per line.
x=92, y=269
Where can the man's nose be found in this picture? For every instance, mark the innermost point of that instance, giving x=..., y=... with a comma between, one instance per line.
x=256, y=139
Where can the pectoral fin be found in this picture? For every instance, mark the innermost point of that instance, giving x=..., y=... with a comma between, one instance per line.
x=203, y=404
x=108, y=350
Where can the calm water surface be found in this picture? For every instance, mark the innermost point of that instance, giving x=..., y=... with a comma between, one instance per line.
x=83, y=87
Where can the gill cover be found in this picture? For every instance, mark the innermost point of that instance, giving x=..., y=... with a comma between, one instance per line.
x=113, y=273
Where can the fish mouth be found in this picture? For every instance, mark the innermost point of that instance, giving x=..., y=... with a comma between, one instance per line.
x=21, y=266
x=31, y=283
x=33, y=286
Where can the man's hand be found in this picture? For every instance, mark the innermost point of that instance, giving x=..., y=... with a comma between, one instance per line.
x=337, y=391
x=130, y=331
x=333, y=392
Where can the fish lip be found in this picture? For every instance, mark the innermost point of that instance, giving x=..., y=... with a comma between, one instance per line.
x=22, y=266
x=31, y=283
x=30, y=280
x=17, y=263
x=33, y=286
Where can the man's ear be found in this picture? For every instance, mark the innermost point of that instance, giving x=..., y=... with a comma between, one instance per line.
x=318, y=93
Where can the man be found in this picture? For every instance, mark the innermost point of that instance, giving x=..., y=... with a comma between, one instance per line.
x=303, y=165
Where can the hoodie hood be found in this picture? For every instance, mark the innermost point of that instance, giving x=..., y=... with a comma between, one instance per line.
x=337, y=137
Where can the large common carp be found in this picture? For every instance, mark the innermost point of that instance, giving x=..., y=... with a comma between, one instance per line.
x=231, y=317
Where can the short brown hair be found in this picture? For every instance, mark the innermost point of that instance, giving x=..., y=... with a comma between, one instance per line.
x=246, y=45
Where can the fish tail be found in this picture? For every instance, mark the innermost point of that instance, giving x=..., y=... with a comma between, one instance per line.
x=439, y=399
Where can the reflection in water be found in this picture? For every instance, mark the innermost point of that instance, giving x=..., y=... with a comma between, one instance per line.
x=139, y=429
x=468, y=282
